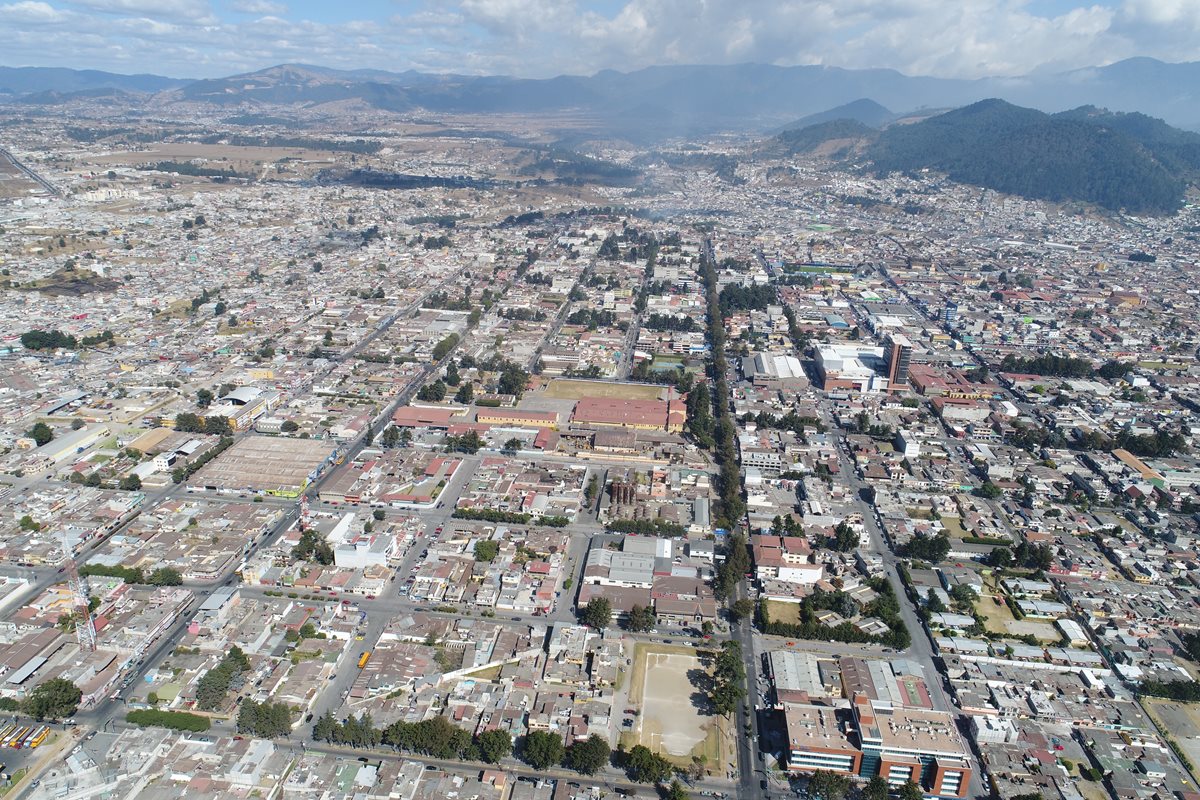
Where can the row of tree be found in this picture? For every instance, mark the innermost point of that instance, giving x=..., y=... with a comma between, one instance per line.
x=194, y=423
x=162, y=576
x=438, y=737
x=215, y=684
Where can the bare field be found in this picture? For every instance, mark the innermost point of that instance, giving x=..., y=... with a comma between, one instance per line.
x=567, y=389
x=783, y=612
x=674, y=720
x=1181, y=720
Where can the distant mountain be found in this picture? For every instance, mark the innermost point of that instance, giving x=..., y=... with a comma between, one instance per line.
x=30, y=80
x=863, y=110
x=1115, y=161
x=52, y=98
x=660, y=102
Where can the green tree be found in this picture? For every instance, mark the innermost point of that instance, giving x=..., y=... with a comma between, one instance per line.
x=41, y=434
x=597, y=613
x=289, y=426
x=486, y=550
x=494, y=745
x=131, y=483
x=465, y=394
x=588, y=756
x=676, y=791
x=741, y=609
x=1000, y=558
x=511, y=447
x=826, y=785
x=645, y=766
x=641, y=619
x=933, y=603
x=910, y=791
x=876, y=789
x=542, y=749
x=56, y=698
x=165, y=576
x=204, y=398
x=845, y=540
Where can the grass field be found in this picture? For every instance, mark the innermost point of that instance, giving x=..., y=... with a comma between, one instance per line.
x=783, y=612
x=567, y=389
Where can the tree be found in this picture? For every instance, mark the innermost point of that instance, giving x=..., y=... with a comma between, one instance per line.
x=542, y=749
x=433, y=392
x=988, y=491
x=131, y=483
x=845, y=540
x=56, y=698
x=933, y=603
x=486, y=550
x=676, y=791
x=41, y=434
x=264, y=720
x=963, y=595
x=511, y=447
x=588, y=756
x=165, y=576
x=494, y=745
x=644, y=766
x=1000, y=558
x=876, y=789
x=289, y=426
x=390, y=437
x=641, y=619
x=910, y=791
x=826, y=785
x=379, y=514
x=204, y=398
x=465, y=394
x=597, y=613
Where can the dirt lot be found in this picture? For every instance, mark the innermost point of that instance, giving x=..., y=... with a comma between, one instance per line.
x=1000, y=620
x=667, y=686
x=566, y=389
x=1181, y=720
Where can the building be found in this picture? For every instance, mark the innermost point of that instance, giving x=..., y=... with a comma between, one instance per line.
x=519, y=419
x=897, y=353
x=911, y=744
x=851, y=367
x=817, y=739
x=950, y=313
x=774, y=371
x=668, y=415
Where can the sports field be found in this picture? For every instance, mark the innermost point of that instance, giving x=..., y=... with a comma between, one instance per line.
x=567, y=389
x=667, y=685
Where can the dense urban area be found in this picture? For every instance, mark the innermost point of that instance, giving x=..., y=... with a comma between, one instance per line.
x=429, y=461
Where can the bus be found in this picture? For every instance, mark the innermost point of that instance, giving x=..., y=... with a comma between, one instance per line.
x=40, y=736
x=14, y=740
x=362, y=661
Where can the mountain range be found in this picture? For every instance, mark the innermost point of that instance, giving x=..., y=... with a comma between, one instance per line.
x=656, y=101
x=1114, y=160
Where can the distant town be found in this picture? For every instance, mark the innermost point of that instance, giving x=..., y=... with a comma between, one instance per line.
x=423, y=461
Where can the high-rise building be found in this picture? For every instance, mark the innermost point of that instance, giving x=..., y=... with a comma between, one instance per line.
x=950, y=313
x=897, y=353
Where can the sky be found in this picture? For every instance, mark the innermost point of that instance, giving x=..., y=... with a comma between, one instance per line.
x=542, y=38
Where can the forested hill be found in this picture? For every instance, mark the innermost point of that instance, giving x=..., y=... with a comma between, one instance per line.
x=1025, y=152
x=1116, y=161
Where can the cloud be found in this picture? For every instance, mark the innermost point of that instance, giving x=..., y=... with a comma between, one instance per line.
x=29, y=12
x=194, y=10
x=263, y=7
x=539, y=38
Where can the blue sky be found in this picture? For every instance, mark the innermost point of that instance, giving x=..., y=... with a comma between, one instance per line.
x=540, y=38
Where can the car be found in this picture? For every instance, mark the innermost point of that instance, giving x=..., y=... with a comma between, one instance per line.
x=309, y=717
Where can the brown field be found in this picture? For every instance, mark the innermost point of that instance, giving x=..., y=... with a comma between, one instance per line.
x=673, y=722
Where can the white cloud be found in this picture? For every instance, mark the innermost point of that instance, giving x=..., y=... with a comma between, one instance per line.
x=31, y=13
x=264, y=7
x=537, y=38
